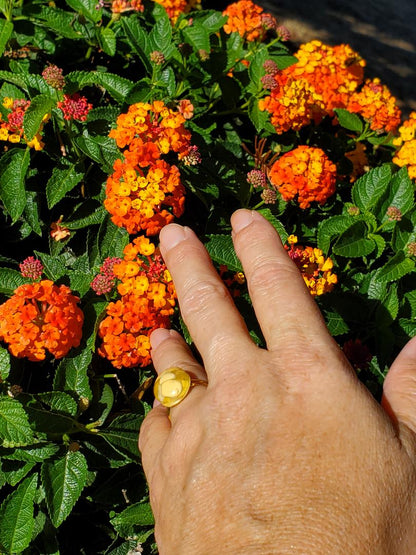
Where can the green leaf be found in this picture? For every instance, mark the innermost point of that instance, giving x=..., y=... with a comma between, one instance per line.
x=63, y=480
x=138, y=40
x=354, y=242
x=335, y=323
x=87, y=8
x=122, y=434
x=380, y=243
x=167, y=77
x=258, y=117
x=31, y=212
x=14, y=78
x=30, y=453
x=256, y=70
x=95, y=218
x=284, y=61
x=160, y=37
x=221, y=250
x=16, y=517
x=54, y=266
x=59, y=21
x=107, y=40
x=72, y=374
x=267, y=213
x=6, y=30
x=197, y=36
x=14, y=424
x=235, y=44
x=400, y=194
x=111, y=239
x=15, y=471
x=330, y=228
x=128, y=522
x=390, y=306
x=116, y=86
x=10, y=280
x=4, y=364
x=102, y=150
x=349, y=121
x=58, y=401
x=369, y=188
x=40, y=106
x=396, y=267
x=80, y=282
x=63, y=179
x=13, y=168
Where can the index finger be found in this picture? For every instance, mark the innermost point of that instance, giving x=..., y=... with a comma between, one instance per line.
x=207, y=308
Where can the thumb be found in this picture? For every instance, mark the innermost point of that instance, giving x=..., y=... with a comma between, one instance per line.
x=399, y=390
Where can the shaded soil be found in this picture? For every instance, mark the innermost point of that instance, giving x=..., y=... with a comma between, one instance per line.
x=383, y=32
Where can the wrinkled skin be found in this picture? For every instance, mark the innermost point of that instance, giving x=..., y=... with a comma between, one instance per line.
x=285, y=451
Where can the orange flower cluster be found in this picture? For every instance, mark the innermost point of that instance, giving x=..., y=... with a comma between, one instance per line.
x=248, y=20
x=12, y=129
x=316, y=270
x=146, y=200
x=147, y=299
x=174, y=8
x=376, y=104
x=306, y=173
x=41, y=317
x=120, y=6
x=406, y=154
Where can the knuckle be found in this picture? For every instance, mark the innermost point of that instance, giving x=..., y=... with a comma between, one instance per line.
x=200, y=297
x=270, y=273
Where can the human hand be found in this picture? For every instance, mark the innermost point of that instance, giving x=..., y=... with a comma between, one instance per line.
x=285, y=451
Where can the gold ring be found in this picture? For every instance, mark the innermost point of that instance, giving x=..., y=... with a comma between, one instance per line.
x=173, y=385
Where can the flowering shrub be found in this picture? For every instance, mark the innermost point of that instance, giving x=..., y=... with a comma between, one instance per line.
x=116, y=118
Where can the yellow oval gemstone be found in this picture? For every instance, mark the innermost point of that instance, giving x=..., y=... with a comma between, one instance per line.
x=171, y=386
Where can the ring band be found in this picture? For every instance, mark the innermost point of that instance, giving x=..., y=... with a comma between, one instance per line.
x=173, y=385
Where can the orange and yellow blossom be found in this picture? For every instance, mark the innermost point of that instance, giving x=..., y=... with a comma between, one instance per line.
x=316, y=270
x=175, y=8
x=376, y=104
x=248, y=20
x=41, y=317
x=406, y=143
x=147, y=300
x=305, y=173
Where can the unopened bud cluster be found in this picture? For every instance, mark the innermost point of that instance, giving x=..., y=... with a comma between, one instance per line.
x=31, y=268
x=257, y=179
x=104, y=282
x=53, y=75
x=394, y=214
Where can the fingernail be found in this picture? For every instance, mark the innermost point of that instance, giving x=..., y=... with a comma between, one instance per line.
x=158, y=336
x=241, y=219
x=171, y=235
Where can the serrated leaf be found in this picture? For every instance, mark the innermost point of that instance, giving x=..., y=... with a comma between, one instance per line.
x=284, y=61
x=54, y=266
x=30, y=453
x=160, y=37
x=122, y=434
x=93, y=219
x=111, y=239
x=72, y=374
x=58, y=401
x=116, y=86
x=197, y=36
x=16, y=517
x=266, y=213
x=63, y=179
x=212, y=20
x=39, y=107
x=256, y=69
x=369, y=188
x=88, y=8
x=390, y=302
x=128, y=522
x=349, y=121
x=396, y=267
x=258, y=117
x=4, y=364
x=138, y=40
x=102, y=150
x=13, y=168
x=354, y=242
x=234, y=45
x=59, y=21
x=80, y=282
x=335, y=323
x=380, y=243
x=14, y=423
x=31, y=212
x=6, y=30
x=331, y=227
x=167, y=77
x=16, y=79
x=63, y=480
x=221, y=250
x=400, y=194
x=107, y=40
x=10, y=280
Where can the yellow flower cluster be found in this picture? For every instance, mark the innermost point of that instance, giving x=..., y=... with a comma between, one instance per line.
x=406, y=153
x=12, y=129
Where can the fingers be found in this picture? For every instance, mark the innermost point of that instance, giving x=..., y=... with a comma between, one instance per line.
x=214, y=323
x=154, y=432
x=283, y=305
x=399, y=390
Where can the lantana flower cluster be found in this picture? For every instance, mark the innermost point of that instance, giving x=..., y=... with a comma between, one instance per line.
x=147, y=300
x=406, y=143
x=249, y=20
x=12, y=129
x=145, y=192
x=323, y=79
x=305, y=173
x=316, y=270
x=174, y=8
x=41, y=317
